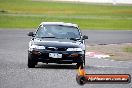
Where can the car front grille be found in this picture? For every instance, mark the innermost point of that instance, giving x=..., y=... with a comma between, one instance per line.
x=56, y=49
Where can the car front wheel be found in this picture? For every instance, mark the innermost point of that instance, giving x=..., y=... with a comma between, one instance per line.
x=31, y=61
x=82, y=64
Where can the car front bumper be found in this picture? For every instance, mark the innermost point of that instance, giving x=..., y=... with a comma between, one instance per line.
x=68, y=57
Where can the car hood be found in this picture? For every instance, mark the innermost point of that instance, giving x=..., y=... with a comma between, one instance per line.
x=53, y=42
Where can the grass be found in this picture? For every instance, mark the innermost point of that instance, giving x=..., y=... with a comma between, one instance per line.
x=128, y=49
x=29, y=14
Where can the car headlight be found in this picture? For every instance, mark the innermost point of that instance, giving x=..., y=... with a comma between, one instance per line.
x=37, y=47
x=31, y=47
x=74, y=49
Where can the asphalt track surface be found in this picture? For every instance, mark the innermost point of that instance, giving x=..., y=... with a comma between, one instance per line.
x=14, y=72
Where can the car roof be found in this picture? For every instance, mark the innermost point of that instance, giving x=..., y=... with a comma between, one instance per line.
x=59, y=23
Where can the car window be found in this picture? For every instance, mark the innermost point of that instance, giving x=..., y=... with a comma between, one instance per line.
x=58, y=31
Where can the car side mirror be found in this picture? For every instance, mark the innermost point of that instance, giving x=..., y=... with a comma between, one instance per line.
x=85, y=37
x=31, y=34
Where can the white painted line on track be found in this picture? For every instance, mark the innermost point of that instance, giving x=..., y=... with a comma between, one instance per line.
x=96, y=55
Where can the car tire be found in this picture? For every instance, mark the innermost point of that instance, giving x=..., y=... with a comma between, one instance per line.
x=80, y=64
x=31, y=61
x=84, y=62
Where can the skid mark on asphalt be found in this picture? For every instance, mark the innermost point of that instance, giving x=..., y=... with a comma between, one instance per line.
x=106, y=64
x=97, y=69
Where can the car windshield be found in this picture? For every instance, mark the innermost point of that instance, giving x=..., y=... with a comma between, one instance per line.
x=57, y=31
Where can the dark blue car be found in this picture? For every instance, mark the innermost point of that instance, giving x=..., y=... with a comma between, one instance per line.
x=57, y=42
